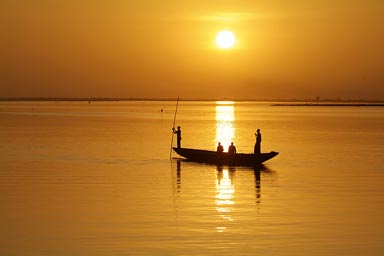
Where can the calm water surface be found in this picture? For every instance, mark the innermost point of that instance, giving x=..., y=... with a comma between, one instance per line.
x=97, y=179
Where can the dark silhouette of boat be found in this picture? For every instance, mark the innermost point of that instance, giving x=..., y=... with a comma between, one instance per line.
x=212, y=157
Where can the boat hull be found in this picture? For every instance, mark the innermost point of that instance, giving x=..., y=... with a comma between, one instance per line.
x=212, y=157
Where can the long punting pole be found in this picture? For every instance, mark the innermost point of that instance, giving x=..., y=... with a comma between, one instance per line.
x=173, y=127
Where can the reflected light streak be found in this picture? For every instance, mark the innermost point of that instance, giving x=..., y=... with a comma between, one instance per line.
x=225, y=116
x=224, y=197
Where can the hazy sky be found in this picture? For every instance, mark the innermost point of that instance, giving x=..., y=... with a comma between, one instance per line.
x=162, y=49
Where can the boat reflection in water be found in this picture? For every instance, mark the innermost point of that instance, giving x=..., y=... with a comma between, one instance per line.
x=215, y=200
x=225, y=190
x=221, y=188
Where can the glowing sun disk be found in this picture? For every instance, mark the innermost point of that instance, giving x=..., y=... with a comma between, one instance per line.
x=225, y=39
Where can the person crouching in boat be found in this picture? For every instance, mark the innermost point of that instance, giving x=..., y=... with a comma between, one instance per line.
x=220, y=148
x=232, y=149
x=178, y=134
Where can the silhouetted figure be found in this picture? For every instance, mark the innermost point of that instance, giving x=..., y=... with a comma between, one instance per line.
x=220, y=148
x=178, y=134
x=257, y=150
x=232, y=149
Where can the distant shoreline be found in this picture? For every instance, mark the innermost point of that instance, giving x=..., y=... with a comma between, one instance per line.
x=284, y=102
x=330, y=105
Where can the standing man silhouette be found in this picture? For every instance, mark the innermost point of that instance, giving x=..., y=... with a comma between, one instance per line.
x=178, y=134
x=257, y=150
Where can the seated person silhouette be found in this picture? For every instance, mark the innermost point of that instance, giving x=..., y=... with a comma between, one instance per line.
x=232, y=149
x=220, y=148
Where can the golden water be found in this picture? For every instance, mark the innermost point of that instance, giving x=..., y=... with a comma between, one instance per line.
x=96, y=179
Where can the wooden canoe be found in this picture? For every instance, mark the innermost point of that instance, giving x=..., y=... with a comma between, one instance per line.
x=212, y=157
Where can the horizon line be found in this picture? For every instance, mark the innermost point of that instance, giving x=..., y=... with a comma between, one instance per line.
x=186, y=99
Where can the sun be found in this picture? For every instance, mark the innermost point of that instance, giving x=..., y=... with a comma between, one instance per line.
x=225, y=39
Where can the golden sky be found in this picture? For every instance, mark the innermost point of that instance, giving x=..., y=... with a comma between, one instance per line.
x=165, y=49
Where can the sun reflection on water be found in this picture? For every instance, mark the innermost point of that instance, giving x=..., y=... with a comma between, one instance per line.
x=225, y=190
x=225, y=116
